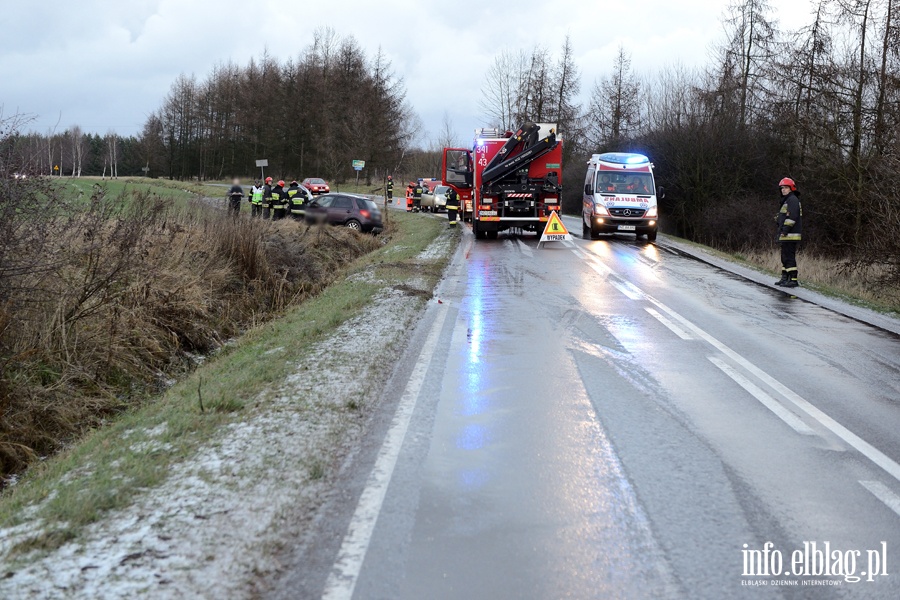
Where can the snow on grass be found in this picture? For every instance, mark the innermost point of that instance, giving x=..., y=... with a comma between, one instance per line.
x=211, y=529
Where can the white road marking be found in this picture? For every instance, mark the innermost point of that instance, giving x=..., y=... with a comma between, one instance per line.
x=625, y=289
x=883, y=493
x=345, y=573
x=792, y=420
x=854, y=441
x=675, y=328
x=524, y=248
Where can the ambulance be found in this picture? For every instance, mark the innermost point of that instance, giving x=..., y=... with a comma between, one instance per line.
x=620, y=196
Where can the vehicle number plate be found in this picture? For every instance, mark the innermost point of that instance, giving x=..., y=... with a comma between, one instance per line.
x=627, y=228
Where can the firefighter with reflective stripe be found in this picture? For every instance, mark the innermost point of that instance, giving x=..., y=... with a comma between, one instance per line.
x=452, y=206
x=790, y=227
x=256, y=198
x=390, y=189
x=417, y=197
x=267, y=199
x=279, y=201
x=296, y=199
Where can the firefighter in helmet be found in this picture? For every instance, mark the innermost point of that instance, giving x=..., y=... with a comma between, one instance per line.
x=790, y=220
x=279, y=201
x=389, y=189
x=417, y=196
x=267, y=199
x=452, y=206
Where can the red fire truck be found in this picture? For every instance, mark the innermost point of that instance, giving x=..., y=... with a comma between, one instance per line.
x=507, y=180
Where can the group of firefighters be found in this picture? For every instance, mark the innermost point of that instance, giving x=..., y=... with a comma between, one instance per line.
x=276, y=202
x=269, y=201
x=414, y=193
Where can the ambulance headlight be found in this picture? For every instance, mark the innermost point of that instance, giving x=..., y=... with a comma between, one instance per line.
x=653, y=212
x=599, y=209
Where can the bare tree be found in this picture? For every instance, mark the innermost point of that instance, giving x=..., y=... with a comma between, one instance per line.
x=615, y=104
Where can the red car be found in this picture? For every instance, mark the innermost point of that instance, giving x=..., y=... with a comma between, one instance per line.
x=316, y=185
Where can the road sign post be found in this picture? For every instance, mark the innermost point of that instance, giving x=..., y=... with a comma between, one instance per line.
x=262, y=163
x=358, y=165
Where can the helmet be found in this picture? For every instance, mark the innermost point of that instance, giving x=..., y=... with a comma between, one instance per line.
x=268, y=180
x=788, y=182
x=281, y=182
x=294, y=182
x=389, y=178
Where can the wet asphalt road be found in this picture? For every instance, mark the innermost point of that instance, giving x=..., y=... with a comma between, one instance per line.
x=611, y=419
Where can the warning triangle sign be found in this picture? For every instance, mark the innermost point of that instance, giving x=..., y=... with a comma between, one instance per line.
x=555, y=231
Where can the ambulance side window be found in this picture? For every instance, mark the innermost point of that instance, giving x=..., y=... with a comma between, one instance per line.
x=589, y=182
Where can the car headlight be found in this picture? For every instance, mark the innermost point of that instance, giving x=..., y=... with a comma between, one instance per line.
x=600, y=210
x=653, y=212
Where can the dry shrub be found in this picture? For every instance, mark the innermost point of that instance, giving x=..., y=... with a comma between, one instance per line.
x=116, y=295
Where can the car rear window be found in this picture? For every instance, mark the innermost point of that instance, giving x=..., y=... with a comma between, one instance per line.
x=370, y=205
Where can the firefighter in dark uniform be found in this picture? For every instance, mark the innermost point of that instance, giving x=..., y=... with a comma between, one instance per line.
x=267, y=199
x=279, y=201
x=390, y=189
x=790, y=227
x=417, y=197
x=296, y=199
x=452, y=206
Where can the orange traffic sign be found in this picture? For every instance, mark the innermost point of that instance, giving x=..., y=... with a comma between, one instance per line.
x=555, y=231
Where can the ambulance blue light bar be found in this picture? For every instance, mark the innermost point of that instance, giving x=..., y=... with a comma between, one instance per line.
x=623, y=158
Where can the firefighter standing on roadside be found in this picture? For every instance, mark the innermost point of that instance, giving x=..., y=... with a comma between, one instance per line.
x=256, y=197
x=790, y=221
x=279, y=202
x=390, y=189
x=417, y=197
x=267, y=199
x=452, y=206
x=296, y=199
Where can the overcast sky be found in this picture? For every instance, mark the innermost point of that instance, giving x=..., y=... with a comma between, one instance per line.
x=106, y=64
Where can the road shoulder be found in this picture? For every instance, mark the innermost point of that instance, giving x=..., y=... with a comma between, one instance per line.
x=213, y=527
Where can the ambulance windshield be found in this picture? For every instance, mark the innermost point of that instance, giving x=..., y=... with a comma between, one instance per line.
x=612, y=182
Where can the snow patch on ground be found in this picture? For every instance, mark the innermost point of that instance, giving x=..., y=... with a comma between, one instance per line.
x=212, y=528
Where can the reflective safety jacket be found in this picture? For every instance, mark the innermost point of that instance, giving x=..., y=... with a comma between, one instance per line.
x=417, y=191
x=296, y=199
x=452, y=199
x=279, y=198
x=390, y=186
x=790, y=218
x=256, y=195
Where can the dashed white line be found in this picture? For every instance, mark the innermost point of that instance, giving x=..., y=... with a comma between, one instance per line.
x=854, y=441
x=345, y=573
x=883, y=493
x=675, y=328
x=792, y=420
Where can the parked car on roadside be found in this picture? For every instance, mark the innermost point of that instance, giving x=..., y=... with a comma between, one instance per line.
x=345, y=210
x=316, y=185
x=435, y=198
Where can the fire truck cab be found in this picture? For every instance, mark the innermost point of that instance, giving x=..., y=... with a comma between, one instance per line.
x=619, y=196
x=507, y=179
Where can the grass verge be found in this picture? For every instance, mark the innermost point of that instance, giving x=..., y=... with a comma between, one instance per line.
x=134, y=452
